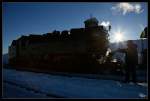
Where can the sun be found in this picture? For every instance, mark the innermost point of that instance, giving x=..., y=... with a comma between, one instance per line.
x=118, y=37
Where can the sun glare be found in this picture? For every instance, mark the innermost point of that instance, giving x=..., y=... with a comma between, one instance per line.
x=118, y=37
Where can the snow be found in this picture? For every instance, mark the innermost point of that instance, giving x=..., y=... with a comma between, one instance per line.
x=19, y=92
x=142, y=95
x=73, y=87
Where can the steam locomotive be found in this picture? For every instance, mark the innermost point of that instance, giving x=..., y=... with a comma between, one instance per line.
x=81, y=50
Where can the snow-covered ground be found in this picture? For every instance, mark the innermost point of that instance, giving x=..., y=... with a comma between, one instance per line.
x=30, y=84
x=18, y=92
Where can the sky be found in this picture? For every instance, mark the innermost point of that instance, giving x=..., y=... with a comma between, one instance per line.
x=39, y=18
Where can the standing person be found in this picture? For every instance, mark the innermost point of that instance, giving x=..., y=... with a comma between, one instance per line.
x=131, y=59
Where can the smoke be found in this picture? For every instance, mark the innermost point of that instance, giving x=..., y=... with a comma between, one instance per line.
x=105, y=23
x=125, y=8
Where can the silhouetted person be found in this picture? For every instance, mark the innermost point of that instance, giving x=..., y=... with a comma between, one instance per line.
x=131, y=59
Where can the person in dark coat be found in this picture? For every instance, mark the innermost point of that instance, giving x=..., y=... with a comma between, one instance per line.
x=131, y=59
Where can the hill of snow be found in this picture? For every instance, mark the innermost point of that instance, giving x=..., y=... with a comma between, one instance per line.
x=115, y=46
